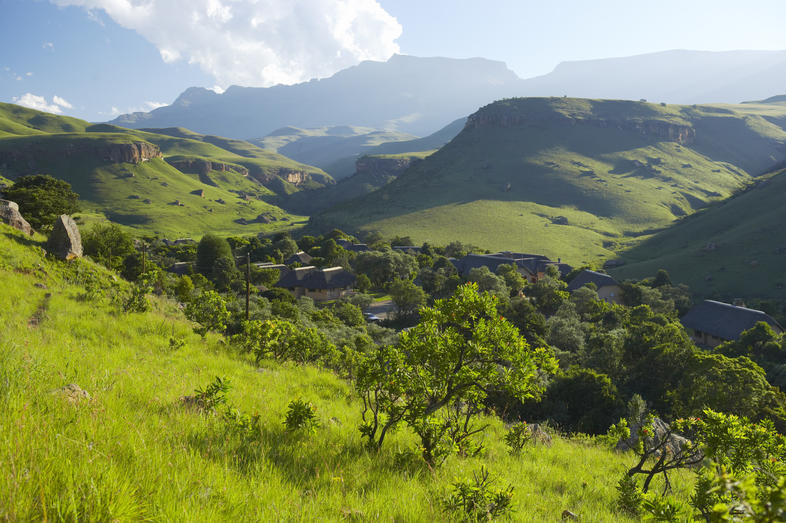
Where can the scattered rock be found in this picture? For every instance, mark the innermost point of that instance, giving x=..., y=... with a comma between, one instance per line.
x=40, y=285
x=711, y=246
x=559, y=220
x=65, y=242
x=567, y=514
x=147, y=200
x=73, y=393
x=9, y=214
x=199, y=192
x=134, y=197
x=221, y=201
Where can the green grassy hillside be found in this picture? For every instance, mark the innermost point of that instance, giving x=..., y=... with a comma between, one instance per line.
x=202, y=182
x=134, y=451
x=572, y=178
x=732, y=249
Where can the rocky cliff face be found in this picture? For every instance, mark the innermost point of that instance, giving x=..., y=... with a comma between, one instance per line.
x=25, y=158
x=381, y=167
x=203, y=167
x=661, y=129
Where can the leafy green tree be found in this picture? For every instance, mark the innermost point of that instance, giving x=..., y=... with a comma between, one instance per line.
x=184, y=289
x=215, y=261
x=514, y=281
x=363, y=284
x=209, y=311
x=442, y=370
x=407, y=296
x=42, y=199
x=385, y=266
x=283, y=340
x=108, y=244
x=583, y=401
x=488, y=281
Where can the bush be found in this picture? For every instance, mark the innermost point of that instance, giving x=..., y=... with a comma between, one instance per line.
x=42, y=199
x=301, y=417
x=517, y=437
x=630, y=495
x=476, y=500
x=209, y=310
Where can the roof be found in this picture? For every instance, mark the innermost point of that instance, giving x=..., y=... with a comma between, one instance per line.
x=312, y=278
x=725, y=321
x=408, y=248
x=598, y=278
x=473, y=261
x=299, y=257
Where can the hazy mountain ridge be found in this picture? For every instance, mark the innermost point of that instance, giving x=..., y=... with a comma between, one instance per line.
x=418, y=95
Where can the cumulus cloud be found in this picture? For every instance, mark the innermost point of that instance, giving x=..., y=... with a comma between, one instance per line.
x=259, y=42
x=145, y=107
x=39, y=103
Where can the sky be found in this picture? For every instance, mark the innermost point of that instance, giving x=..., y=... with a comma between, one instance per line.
x=96, y=59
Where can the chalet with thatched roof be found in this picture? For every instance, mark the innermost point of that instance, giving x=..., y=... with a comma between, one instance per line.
x=608, y=288
x=318, y=284
x=710, y=322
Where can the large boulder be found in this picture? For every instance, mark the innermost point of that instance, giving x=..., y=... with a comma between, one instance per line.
x=9, y=213
x=675, y=443
x=65, y=242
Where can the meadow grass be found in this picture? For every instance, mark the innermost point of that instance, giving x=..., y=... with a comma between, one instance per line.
x=135, y=451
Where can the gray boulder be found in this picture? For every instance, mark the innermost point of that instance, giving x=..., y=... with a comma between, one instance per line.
x=9, y=213
x=674, y=445
x=65, y=242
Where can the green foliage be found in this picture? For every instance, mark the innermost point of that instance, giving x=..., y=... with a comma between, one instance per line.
x=477, y=499
x=213, y=395
x=407, y=296
x=42, y=199
x=517, y=436
x=442, y=369
x=209, y=311
x=301, y=417
x=630, y=495
x=138, y=301
x=385, y=266
x=663, y=509
x=184, y=289
x=107, y=244
x=215, y=260
x=583, y=401
x=283, y=340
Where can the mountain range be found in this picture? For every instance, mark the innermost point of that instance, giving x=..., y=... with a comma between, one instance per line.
x=420, y=95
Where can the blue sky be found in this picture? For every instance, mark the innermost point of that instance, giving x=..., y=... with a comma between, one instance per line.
x=102, y=57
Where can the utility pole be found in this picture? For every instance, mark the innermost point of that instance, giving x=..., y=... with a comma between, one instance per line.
x=248, y=282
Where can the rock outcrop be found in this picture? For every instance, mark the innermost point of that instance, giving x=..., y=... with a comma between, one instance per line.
x=202, y=167
x=9, y=214
x=65, y=242
x=543, y=116
x=28, y=156
x=383, y=168
x=675, y=444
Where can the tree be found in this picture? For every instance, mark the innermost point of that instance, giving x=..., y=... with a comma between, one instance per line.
x=108, y=244
x=437, y=378
x=407, y=296
x=209, y=310
x=210, y=250
x=513, y=280
x=42, y=199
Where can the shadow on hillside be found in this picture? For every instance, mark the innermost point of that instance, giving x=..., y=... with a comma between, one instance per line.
x=27, y=241
x=299, y=458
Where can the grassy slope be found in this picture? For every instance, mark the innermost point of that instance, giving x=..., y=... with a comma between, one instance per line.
x=583, y=172
x=260, y=162
x=63, y=147
x=334, y=149
x=133, y=452
x=747, y=246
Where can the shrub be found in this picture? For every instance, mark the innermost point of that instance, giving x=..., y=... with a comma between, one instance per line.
x=476, y=500
x=209, y=398
x=301, y=417
x=209, y=310
x=630, y=495
x=517, y=437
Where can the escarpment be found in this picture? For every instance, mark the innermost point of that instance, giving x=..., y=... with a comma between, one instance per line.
x=25, y=155
x=529, y=113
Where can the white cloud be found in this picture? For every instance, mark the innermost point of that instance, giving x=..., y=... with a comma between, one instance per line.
x=61, y=102
x=28, y=73
x=48, y=45
x=259, y=42
x=39, y=103
x=145, y=107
